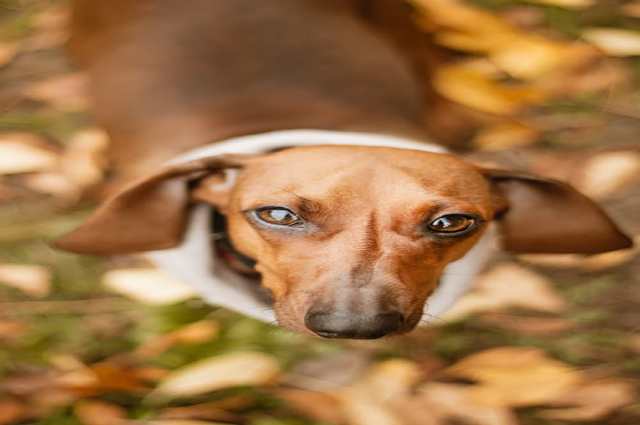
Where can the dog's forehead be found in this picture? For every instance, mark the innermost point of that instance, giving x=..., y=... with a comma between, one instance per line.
x=344, y=163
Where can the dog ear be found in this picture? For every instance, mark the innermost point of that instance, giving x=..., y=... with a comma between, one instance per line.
x=547, y=216
x=149, y=214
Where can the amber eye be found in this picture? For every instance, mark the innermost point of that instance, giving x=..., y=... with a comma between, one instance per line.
x=278, y=216
x=452, y=223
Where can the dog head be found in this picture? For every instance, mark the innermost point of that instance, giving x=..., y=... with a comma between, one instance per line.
x=350, y=240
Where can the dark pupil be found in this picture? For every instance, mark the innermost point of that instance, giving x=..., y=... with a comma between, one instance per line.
x=281, y=216
x=450, y=224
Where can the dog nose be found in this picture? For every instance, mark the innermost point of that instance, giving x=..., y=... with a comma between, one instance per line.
x=352, y=326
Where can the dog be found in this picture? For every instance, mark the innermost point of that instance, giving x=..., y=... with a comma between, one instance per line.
x=297, y=129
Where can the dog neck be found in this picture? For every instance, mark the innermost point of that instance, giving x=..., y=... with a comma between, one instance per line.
x=196, y=262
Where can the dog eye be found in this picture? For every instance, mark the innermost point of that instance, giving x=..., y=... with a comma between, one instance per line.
x=278, y=216
x=452, y=223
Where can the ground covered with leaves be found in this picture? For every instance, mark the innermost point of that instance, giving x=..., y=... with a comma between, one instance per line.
x=552, y=86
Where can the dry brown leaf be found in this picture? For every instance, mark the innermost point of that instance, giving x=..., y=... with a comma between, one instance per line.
x=95, y=412
x=631, y=8
x=53, y=183
x=203, y=330
x=8, y=51
x=569, y=4
x=537, y=326
x=176, y=422
x=360, y=408
x=10, y=329
x=451, y=401
x=515, y=377
x=604, y=174
x=11, y=412
x=595, y=262
x=508, y=286
x=64, y=92
x=527, y=57
x=506, y=134
x=148, y=286
x=83, y=162
x=462, y=17
x=594, y=401
x=32, y=280
x=210, y=411
x=214, y=373
x=473, y=89
x=390, y=380
x=315, y=405
x=613, y=41
x=328, y=372
x=25, y=153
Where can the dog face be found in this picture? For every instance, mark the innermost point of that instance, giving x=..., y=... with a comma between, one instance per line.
x=343, y=235
x=350, y=240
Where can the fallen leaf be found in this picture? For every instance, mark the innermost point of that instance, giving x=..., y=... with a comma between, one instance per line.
x=614, y=42
x=451, y=401
x=176, y=422
x=148, y=286
x=390, y=380
x=32, y=280
x=8, y=51
x=473, y=89
x=315, y=405
x=64, y=92
x=593, y=400
x=631, y=8
x=83, y=161
x=604, y=174
x=201, y=331
x=515, y=377
x=595, y=262
x=204, y=411
x=10, y=329
x=214, y=373
x=569, y=4
x=506, y=134
x=52, y=183
x=536, y=326
x=11, y=412
x=508, y=286
x=359, y=408
x=95, y=412
x=24, y=153
x=527, y=57
x=328, y=372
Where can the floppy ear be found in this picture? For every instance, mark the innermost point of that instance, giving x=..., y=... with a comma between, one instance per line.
x=149, y=214
x=545, y=215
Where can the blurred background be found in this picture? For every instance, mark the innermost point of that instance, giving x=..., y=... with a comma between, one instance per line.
x=549, y=86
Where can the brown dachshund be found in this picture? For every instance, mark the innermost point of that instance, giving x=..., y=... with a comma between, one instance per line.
x=297, y=128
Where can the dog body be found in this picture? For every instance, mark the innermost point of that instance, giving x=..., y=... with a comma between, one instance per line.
x=351, y=223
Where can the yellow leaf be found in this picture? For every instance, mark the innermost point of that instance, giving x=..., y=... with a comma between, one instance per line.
x=8, y=51
x=148, y=286
x=175, y=422
x=20, y=153
x=506, y=134
x=515, y=377
x=508, y=286
x=214, y=373
x=475, y=90
x=32, y=280
x=593, y=401
x=569, y=4
x=608, y=172
x=527, y=57
x=83, y=161
x=451, y=401
x=361, y=409
x=614, y=42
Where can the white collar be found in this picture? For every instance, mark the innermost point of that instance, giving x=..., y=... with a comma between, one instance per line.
x=195, y=263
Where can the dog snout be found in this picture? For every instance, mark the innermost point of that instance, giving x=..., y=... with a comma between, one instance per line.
x=337, y=325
